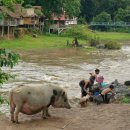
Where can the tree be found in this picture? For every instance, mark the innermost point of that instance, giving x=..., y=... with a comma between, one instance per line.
x=7, y=59
x=11, y=2
x=57, y=7
x=90, y=8
x=19, y=1
x=120, y=16
x=123, y=15
x=87, y=9
x=8, y=2
x=102, y=17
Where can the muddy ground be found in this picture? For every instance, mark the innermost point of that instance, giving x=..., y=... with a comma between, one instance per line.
x=102, y=117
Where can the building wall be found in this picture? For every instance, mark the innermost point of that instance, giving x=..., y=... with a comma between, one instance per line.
x=29, y=21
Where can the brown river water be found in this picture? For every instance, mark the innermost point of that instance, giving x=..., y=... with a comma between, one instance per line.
x=66, y=67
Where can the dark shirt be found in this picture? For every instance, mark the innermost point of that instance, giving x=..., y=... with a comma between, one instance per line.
x=92, y=79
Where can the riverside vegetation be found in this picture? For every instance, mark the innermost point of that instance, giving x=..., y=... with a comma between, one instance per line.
x=85, y=37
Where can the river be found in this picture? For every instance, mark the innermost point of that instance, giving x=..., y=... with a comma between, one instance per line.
x=66, y=67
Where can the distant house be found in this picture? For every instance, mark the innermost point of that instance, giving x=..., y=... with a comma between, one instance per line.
x=8, y=21
x=21, y=18
x=29, y=17
x=63, y=20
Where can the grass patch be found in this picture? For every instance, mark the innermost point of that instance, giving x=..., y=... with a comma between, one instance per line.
x=125, y=100
x=1, y=113
x=82, y=32
x=28, y=42
x=113, y=36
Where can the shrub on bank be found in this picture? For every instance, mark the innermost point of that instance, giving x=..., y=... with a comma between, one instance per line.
x=125, y=100
x=112, y=45
x=79, y=31
x=94, y=41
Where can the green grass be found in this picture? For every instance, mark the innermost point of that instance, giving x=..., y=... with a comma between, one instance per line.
x=28, y=42
x=54, y=41
x=113, y=36
x=125, y=100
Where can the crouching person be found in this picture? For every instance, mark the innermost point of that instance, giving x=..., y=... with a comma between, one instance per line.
x=105, y=92
x=86, y=87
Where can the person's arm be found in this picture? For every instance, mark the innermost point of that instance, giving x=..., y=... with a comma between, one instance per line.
x=113, y=93
x=91, y=74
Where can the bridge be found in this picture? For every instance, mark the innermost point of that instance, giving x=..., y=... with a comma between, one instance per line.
x=111, y=24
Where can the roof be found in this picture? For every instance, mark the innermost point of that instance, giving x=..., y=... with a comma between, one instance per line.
x=28, y=13
x=62, y=17
x=7, y=11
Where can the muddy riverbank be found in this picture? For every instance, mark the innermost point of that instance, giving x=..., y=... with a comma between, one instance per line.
x=103, y=117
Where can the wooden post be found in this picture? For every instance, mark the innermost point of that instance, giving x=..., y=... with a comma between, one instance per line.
x=8, y=31
x=13, y=32
x=42, y=28
x=2, y=31
x=49, y=31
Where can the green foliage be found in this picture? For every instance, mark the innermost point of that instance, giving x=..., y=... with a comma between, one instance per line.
x=28, y=6
x=102, y=17
x=11, y=2
x=1, y=15
x=94, y=41
x=33, y=31
x=39, y=13
x=3, y=100
x=120, y=29
x=120, y=14
x=88, y=9
x=20, y=1
x=125, y=100
x=8, y=2
x=7, y=59
x=112, y=45
x=79, y=31
x=71, y=8
x=31, y=2
x=91, y=8
x=17, y=33
x=82, y=20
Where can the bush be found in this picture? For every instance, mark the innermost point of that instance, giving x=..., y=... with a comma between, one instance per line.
x=33, y=31
x=28, y=6
x=94, y=41
x=19, y=32
x=39, y=13
x=3, y=100
x=125, y=100
x=102, y=17
x=112, y=45
x=82, y=20
x=79, y=31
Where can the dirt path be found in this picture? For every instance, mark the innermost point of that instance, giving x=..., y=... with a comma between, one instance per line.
x=103, y=117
